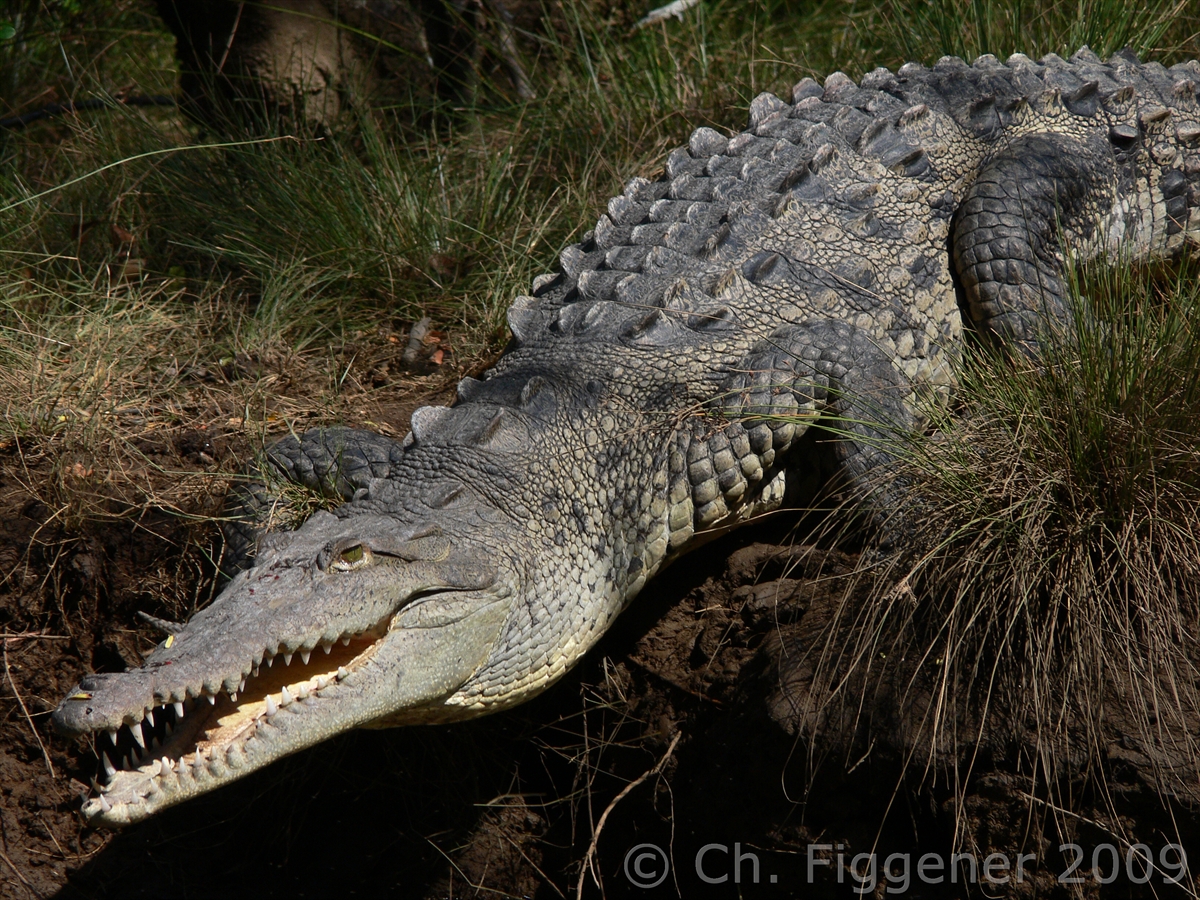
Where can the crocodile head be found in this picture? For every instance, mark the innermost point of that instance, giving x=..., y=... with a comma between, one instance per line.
x=356, y=618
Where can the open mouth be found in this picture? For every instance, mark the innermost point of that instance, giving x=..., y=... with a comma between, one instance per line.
x=209, y=732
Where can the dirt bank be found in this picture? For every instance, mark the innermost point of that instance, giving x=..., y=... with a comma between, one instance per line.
x=685, y=693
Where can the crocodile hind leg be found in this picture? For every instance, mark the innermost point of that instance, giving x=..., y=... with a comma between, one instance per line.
x=334, y=463
x=1037, y=192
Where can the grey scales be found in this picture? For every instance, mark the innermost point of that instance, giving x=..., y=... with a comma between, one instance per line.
x=660, y=388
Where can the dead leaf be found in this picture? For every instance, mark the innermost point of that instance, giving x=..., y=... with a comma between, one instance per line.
x=444, y=265
x=119, y=236
x=131, y=269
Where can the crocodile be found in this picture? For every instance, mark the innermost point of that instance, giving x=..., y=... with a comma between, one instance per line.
x=757, y=319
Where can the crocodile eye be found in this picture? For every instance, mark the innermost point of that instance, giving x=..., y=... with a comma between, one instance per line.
x=354, y=557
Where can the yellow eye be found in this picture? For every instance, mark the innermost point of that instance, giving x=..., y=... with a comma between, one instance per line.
x=352, y=558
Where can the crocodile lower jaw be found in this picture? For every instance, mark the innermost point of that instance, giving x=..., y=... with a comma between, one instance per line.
x=215, y=736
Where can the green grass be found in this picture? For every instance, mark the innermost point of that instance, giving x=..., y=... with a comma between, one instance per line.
x=969, y=28
x=398, y=220
x=410, y=221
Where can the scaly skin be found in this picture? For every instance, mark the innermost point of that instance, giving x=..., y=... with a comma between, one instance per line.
x=659, y=388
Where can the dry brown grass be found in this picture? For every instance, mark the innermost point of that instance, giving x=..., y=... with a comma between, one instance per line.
x=1043, y=608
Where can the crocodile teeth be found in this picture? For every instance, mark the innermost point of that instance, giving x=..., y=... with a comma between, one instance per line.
x=178, y=710
x=271, y=707
x=150, y=717
x=112, y=735
x=242, y=686
x=346, y=641
x=287, y=659
x=342, y=673
x=233, y=697
x=104, y=804
x=322, y=681
x=211, y=698
x=302, y=691
x=139, y=738
x=327, y=646
x=254, y=671
x=268, y=660
x=285, y=696
x=304, y=654
x=109, y=770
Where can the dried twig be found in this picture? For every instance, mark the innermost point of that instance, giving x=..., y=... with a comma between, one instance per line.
x=229, y=41
x=508, y=51
x=463, y=875
x=591, y=851
x=1098, y=825
x=536, y=867
x=24, y=880
x=28, y=718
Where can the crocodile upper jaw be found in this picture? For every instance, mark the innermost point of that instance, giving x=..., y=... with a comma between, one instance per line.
x=295, y=650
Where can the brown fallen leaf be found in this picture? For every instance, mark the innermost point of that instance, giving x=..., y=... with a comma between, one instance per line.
x=120, y=236
x=444, y=265
x=131, y=269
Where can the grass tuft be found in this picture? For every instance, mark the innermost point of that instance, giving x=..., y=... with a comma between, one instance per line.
x=1045, y=607
x=970, y=28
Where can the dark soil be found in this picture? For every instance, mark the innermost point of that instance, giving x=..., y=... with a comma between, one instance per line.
x=687, y=687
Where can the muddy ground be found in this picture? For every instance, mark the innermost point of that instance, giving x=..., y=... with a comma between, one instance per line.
x=677, y=733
